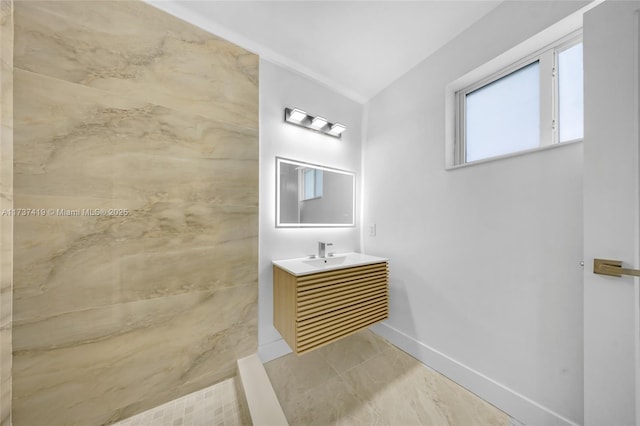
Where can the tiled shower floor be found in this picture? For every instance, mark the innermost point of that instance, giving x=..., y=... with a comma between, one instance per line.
x=216, y=405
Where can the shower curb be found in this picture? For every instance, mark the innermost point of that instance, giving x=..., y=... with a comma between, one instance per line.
x=264, y=408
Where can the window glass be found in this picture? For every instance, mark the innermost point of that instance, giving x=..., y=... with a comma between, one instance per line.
x=312, y=185
x=504, y=116
x=570, y=94
x=523, y=107
x=318, y=192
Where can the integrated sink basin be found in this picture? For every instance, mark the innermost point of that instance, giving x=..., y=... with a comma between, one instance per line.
x=305, y=265
x=326, y=261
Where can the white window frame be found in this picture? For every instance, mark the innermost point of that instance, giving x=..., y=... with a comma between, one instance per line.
x=549, y=129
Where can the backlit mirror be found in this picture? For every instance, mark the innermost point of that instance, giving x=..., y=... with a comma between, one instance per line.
x=309, y=195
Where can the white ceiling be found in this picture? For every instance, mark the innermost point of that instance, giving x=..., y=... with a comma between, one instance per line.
x=355, y=47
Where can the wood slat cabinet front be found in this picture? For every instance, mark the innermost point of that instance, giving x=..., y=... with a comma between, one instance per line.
x=313, y=310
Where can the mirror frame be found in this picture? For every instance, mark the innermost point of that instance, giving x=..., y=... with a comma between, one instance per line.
x=279, y=224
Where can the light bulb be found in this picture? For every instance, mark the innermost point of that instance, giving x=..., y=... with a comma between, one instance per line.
x=297, y=115
x=318, y=123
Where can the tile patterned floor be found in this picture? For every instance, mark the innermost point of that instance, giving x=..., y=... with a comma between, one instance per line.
x=363, y=380
x=218, y=405
x=359, y=380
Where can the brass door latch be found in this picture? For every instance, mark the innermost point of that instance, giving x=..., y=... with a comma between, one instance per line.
x=613, y=268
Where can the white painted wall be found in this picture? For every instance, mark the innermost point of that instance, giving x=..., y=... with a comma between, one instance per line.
x=485, y=278
x=611, y=189
x=280, y=88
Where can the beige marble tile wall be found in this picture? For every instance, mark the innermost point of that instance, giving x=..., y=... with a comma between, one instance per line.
x=120, y=106
x=6, y=204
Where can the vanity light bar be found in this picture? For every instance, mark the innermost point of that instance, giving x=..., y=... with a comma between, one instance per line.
x=319, y=124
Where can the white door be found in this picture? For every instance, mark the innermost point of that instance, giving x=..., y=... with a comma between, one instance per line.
x=611, y=213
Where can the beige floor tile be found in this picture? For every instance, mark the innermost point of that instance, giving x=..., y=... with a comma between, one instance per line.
x=291, y=374
x=330, y=403
x=381, y=372
x=375, y=384
x=349, y=352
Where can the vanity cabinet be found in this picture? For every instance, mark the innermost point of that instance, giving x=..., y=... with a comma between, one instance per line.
x=314, y=309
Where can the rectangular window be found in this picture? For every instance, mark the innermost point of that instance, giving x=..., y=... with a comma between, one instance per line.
x=311, y=184
x=534, y=103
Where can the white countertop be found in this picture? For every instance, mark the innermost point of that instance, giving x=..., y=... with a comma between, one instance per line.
x=306, y=265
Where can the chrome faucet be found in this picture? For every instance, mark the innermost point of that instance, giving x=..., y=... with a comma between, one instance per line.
x=322, y=248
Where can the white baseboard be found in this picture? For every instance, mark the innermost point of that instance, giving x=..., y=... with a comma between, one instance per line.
x=521, y=408
x=273, y=350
